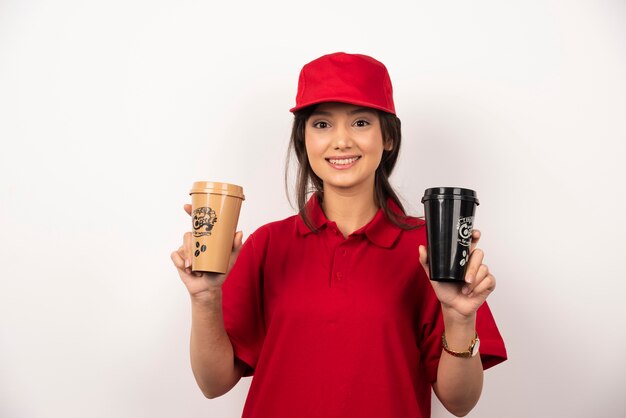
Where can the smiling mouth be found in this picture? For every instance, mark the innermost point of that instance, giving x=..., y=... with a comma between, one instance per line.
x=343, y=161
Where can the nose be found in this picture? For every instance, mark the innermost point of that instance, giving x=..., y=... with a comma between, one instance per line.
x=342, y=139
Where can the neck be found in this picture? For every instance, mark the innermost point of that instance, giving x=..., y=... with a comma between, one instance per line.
x=348, y=209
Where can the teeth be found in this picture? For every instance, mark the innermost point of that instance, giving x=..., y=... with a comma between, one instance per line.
x=343, y=161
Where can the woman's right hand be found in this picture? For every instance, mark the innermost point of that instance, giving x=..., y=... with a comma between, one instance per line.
x=201, y=284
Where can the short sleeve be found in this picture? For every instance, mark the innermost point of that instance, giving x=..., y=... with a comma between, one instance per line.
x=242, y=306
x=492, y=350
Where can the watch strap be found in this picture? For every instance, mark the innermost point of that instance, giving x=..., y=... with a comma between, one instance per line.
x=470, y=352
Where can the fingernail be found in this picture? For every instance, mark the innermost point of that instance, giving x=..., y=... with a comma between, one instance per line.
x=469, y=278
x=187, y=263
x=465, y=290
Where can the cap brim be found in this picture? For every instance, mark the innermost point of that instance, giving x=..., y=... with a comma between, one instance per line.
x=341, y=100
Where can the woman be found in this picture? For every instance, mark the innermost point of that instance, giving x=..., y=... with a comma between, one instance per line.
x=332, y=310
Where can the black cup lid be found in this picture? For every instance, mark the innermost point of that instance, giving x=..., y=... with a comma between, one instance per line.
x=450, y=193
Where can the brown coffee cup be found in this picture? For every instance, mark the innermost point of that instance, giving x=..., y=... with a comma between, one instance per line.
x=214, y=214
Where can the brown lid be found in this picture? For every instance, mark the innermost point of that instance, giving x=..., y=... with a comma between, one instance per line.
x=217, y=188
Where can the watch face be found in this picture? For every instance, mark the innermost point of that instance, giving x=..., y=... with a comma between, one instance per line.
x=475, y=348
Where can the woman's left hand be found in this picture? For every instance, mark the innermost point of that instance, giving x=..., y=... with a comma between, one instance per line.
x=464, y=299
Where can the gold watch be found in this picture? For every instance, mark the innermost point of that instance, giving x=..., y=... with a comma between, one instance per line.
x=471, y=351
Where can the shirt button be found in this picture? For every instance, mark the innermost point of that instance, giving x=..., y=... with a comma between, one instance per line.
x=339, y=276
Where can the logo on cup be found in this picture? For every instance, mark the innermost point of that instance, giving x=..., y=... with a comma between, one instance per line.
x=203, y=221
x=465, y=258
x=465, y=226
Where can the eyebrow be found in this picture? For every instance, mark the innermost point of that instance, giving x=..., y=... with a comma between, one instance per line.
x=352, y=112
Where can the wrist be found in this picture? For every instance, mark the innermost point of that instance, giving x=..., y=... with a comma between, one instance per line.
x=208, y=298
x=459, y=329
x=452, y=318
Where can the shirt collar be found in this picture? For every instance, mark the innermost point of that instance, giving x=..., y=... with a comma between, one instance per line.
x=380, y=230
x=316, y=215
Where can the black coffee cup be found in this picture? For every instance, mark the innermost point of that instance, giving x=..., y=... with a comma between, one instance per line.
x=449, y=213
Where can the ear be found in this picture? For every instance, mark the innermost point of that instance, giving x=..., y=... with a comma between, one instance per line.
x=387, y=144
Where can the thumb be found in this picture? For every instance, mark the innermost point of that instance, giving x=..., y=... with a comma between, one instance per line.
x=423, y=256
x=237, y=242
x=236, y=248
x=424, y=259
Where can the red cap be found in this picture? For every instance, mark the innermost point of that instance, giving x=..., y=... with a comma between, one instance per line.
x=347, y=78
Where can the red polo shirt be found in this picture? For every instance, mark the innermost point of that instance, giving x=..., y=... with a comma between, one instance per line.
x=338, y=327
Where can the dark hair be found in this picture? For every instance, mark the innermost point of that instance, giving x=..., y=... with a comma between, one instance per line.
x=308, y=182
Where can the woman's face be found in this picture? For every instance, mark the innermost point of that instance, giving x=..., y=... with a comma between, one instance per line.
x=344, y=146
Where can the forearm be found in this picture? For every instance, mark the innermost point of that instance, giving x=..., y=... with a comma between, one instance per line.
x=459, y=380
x=212, y=357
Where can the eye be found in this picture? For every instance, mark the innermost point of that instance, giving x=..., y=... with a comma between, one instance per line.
x=320, y=124
x=361, y=123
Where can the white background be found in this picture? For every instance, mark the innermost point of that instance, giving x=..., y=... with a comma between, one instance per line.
x=109, y=110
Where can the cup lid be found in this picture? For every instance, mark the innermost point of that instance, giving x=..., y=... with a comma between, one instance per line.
x=217, y=188
x=450, y=193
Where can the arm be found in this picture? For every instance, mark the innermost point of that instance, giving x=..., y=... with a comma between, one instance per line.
x=460, y=380
x=214, y=365
x=212, y=360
